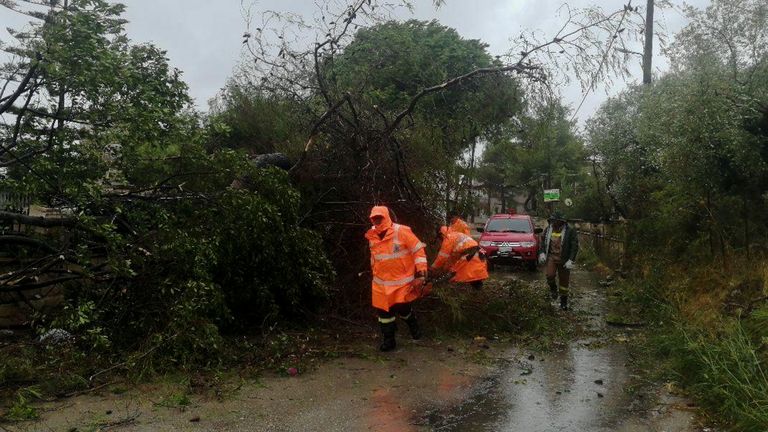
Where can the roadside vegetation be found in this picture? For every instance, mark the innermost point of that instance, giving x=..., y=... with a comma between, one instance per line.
x=685, y=161
x=709, y=346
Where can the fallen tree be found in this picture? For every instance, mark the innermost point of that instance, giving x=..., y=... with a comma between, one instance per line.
x=384, y=112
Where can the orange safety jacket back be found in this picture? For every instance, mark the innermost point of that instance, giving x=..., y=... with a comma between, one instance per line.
x=395, y=259
x=453, y=253
x=459, y=226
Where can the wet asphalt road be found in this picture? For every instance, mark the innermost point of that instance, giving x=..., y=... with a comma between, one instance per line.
x=580, y=387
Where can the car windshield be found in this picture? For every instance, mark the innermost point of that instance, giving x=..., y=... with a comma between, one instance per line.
x=509, y=225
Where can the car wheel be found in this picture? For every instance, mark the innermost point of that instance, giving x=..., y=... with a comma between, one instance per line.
x=491, y=265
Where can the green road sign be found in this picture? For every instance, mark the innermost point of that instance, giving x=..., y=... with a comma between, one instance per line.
x=551, y=195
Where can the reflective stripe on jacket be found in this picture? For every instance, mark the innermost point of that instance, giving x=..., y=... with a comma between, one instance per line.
x=453, y=254
x=395, y=258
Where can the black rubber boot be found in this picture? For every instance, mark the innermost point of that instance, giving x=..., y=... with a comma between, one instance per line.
x=388, y=336
x=564, y=302
x=553, y=291
x=413, y=326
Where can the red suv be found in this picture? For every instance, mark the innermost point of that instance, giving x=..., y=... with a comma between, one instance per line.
x=510, y=238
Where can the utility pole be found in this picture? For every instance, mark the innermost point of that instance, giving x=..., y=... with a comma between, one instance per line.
x=548, y=185
x=648, y=51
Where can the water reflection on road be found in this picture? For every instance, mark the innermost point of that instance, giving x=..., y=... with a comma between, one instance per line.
x=579, y=387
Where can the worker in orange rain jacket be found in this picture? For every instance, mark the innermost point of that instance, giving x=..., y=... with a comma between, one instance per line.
x=457, y=224
x=460, y=254
x=399, y=265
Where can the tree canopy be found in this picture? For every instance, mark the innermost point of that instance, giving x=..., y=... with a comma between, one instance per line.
x=688, y=154
x=148, y=239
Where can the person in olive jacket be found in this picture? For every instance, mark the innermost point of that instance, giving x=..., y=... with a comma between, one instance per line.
x=558, y=253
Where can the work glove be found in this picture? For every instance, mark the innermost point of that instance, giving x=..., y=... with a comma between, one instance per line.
x=568, y=265
x=542, y=258
x=420, y=280
x=417, y=283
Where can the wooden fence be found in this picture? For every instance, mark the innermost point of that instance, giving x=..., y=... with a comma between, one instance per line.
x=14, y=203
x=606, y=241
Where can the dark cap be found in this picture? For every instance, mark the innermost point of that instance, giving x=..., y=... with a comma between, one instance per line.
x=557, y=216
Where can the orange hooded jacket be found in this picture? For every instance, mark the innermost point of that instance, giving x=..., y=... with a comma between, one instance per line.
x=395, y=258
x=452, y=256
x=459, y=226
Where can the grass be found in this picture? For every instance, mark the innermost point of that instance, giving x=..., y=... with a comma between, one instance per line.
x=587, y=255
x=716, y=351
x=21, y=409
x=29, y=373
x=725, y=374
x=179, y=400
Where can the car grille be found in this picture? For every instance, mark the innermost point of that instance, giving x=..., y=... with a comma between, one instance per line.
x=506, y=244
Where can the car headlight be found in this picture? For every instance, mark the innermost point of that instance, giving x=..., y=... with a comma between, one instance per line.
x=485, y=243
x=528, y=244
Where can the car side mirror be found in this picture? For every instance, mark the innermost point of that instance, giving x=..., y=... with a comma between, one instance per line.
x=480, y=229
x=538, y=230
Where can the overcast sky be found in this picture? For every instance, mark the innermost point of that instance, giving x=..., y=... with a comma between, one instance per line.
x=203, y=37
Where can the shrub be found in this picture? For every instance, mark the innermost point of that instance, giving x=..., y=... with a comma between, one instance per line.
x=234, y=260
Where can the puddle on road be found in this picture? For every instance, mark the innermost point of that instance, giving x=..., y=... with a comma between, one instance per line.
x=574, y=389
x=577, y=389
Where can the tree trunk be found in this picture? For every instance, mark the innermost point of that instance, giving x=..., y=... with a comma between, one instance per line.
x=490, y=194
x=448, y=206
x=470, y=186
x=548, y=185
x=710, y=229
x=604, y=216
x=745, y=209
x=503, y=200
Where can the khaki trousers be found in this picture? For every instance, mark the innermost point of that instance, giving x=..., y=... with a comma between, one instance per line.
x=554, y=269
